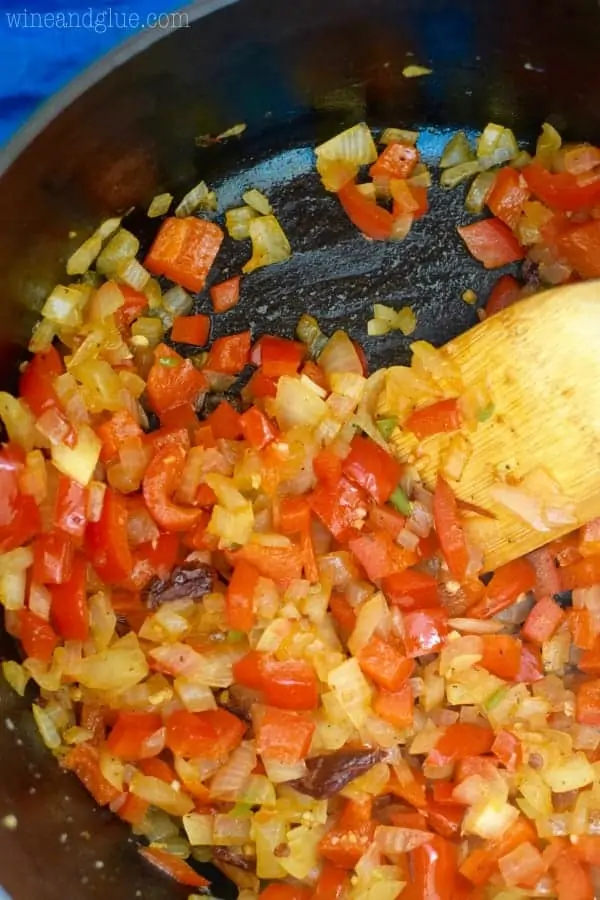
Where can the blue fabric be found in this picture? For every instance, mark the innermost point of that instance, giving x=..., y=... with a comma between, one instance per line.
x=45, y=43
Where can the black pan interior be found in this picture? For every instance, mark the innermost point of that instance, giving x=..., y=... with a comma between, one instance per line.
x=296, y=74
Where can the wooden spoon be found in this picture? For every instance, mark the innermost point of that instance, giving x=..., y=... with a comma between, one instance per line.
x=541, y=361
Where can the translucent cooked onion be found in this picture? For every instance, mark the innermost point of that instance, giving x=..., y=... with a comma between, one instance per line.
x=269, y=243
x=354, y=146
x=392, y=839
x=257, y=200
x=340, y=355
x=198, y=197
x=160, y=794
x=231, y=778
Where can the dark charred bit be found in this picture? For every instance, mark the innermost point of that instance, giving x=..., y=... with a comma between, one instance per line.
x=214, y=398
x=564, y=599
x=232, y=857
x=239, y=700
x=192, y=579
x=530, y=273
x=122, y=626
x=564, y=801
x=328, y=774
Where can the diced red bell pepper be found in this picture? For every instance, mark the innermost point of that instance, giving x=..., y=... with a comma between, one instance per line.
x=404, y=201
x=411, y=590
x=379, y=555
x=35, y=383
x=229, y=354
x=384, y=518
x=133, y=810
x=289, y=684
x=248, y=670
x=589, y=661
x=129, y=738
x=278, y=356
x=257, y=428
x=157, y=768
x=425, y=631
x=69, y=611
x=184, y=251
x=225, y=422
x=505, y=292
x=70, y=507
x=584, y=573
x=115, y=431
x=52, y=558
x=282, y=734
x=580, y=247
x=439, y=418
x=282, y=891
x=19, y=513
x=397, y=161
x=396, y=707
x=191, y=330
x=180, y=417
x=547, y=574
x=83, y=761
x=459, y=741
x=411, y=788
x=226, y=294
x=315, y=373
x=507, y=583
x=239, y=599
x=572, y=878
x=172, y=380
x=333, y=883
x=153, y=559
x=587, y=711
x=445, y=819
x=542, y=621
x=343, y=613
x=160, y=482
x=107, y=541
x=211, y=734
x=449, y=530
x=351, y=836
x=340, y=507
x=261, y=387
x=92, y=719
x=583, y=631
x=37, y=637
x=294, y=515
x=372, y=468
x=327, y=466
x=492, y=243
x=134, y=304
x=168, y=437
x=501, y=655
x=280, y=563
x=507, y=748
x=434, y=872
x=508, y=194
x=384, y=664
x=374, y=221
x=560, y=191
x=587, y=849
x=171, y=865
x=531, y=665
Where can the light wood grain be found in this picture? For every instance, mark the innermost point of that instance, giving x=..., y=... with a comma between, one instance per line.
x=541, y=361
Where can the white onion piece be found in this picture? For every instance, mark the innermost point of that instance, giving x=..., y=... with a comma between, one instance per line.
x=476, y=626
x=391, y=839
x=408, y=539
x=231, y=778
x=420, y=520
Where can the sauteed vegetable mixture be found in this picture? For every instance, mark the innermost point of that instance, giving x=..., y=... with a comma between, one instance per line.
x=256, y=635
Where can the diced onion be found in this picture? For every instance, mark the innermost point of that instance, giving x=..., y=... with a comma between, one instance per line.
x=199, y=829
x=340, y=355
x=456, y=174
x=354, y=146
x=372, y=614
x=352, y=691
x=159, y=793
x=479, y=192
x=159, y=205
x=457, y=151
x=413, y=71
x=46, y=727
x=198, y=197
x=237, y=222
x=257, y=200
x=177, y=301
x=18, y=420
x=548, y=145
x=269, y=243
x=123, y=246
x=132, y=273
x=121, y=666
x=78, y=462
x=398, y=136
x=231, y=778
x=16, y=676
x=392, y=839
x=297, y=405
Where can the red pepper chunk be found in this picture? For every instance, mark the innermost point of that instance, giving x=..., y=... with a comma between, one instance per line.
x=226, y=294
x=172, y=380
x=279, y=563
x=425, y=631
x=396, y=161
x=560, y=191
x=434, y=870
x=130, y=738
x=507, y=583
x=160, y=482
x=19, y=513
x=107, y=541
x=396, y=707
x=282, y=734
x=501, y=655
x=278, y=356
x=225, y=422
x=38, y=638
x=411, y=590
x=289, y=684
x=372, y=468
x=542, y=621
x=492, y=243
x=339, y=506
x=332, y=884
x=256, y=428
x=173, y=866
x=449, y=530
x=184, y=251
x=115, y=431
x=505, y=292
x=35, y=383
x=379, y=555
x=374, y=221
x=229, y=354
x=507, y=748
x=83, y=761
x=508, y=194
x=134, y=304
x=191, y=330
x=442, y=417
x=70, y=613
x=52, y=558
x=587, y=709
x=248, y=670
x=572, y=879
x=384, y=664
x=459, y=741
x=351, y=836
x=211, y=734
x=239, y=600
x=580, y=246
x=70, y=507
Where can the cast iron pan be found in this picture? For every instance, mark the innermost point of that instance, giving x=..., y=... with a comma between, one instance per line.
x=296, y=74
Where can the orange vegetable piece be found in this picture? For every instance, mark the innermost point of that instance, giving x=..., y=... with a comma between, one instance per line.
x=226, y=294
x=191, y=330
x=184, y=251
